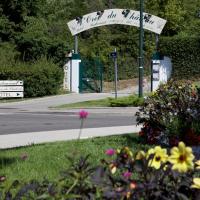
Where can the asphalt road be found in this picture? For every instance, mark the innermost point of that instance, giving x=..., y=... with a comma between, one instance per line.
x=24, y=122
x=35, y=115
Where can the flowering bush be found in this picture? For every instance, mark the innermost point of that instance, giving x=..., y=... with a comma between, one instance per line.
x=157, y=174
x=171, y=114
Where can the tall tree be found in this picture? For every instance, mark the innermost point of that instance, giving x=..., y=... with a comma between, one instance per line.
x=171, y=10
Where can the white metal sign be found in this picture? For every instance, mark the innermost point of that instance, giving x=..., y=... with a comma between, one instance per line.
x=116, y=16
x=12, y=88
x=11, y=94
x=11, y=82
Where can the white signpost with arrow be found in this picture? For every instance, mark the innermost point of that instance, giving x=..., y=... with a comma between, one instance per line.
x=11, y=88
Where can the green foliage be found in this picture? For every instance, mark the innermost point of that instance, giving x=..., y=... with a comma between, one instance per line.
x=185, y=55
x=171, y=114
x=171, y=10
x=125, y=101
x=8, y=54
x=38, y=28
x=45, y=160
x=40, y=78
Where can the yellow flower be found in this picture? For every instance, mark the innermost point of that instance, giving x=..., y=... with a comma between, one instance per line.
x=128, y=151
x=196, y=184
x=140, y=155
x=128, y=195
x=113, y=168
x=125, y=150
x=118, y=151
x=154, y=93
x=181, y=158
x=198, y=164
x=160, y=157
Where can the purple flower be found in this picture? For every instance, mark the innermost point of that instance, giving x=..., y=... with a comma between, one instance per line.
x=110, y=152
x=83, y=114
x=127, y=174
x=23, y=156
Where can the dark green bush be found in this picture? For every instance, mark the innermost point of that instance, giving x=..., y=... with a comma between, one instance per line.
x=125, y=101
x=185, y=55
x=40, y=78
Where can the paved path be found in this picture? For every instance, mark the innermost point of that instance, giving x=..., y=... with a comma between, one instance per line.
x=43, y=104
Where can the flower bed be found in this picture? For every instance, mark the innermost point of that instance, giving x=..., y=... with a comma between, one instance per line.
x=171, y=114
x=154, y=174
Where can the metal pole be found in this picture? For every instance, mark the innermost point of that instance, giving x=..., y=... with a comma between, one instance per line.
x=141, y=50
x=157, y=40
x=71, y=74
x=76, y=44
x=116, y=72
x=151, y=76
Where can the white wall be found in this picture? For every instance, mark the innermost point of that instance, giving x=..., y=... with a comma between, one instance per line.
x=71, y=75
x=162, y=70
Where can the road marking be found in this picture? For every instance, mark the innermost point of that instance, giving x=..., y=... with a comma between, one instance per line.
x=6, y=113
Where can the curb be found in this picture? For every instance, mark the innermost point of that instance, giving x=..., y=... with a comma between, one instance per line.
x=27, y=139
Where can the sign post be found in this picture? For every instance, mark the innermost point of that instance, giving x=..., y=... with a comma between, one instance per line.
x=116, y=16
x=76, y=44
x=141, y=50
x=114, y=56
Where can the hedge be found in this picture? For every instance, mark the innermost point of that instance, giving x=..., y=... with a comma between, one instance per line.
x=185, y=55
x=40, y=78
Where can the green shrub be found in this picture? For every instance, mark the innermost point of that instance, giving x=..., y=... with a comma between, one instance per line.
x=185, y=55
x=171, y=114
x=40, y=78
x=8, y=54
x=125, y=101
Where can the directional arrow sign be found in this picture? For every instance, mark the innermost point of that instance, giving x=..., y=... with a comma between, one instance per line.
x=11, y=82
x=11, y=94
x=113, y=54
x=11, y=88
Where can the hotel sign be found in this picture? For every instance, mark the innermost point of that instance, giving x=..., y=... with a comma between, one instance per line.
x=116, y=16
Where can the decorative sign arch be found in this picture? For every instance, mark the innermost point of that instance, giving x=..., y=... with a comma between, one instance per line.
x=116, y=16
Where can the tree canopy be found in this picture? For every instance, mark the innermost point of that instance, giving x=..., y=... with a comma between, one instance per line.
x=37, y=28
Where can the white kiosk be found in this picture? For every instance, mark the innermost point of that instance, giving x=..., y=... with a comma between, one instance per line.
x=161, y=70
x=71, y=73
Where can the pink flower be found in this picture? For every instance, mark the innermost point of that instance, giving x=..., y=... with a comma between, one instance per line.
x=2, y=178
x=127, y=174
x=110, y=152
x=83, y=114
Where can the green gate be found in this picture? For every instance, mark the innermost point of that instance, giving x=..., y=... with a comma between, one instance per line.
x=90, y=76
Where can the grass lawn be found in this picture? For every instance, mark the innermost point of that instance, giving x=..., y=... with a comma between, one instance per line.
x=47, y=160
x=86, y=104
x=131, y=100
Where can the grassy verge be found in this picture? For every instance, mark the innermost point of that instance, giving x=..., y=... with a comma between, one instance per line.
x=86, y=104
x=48, y=160
x=131, y=100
